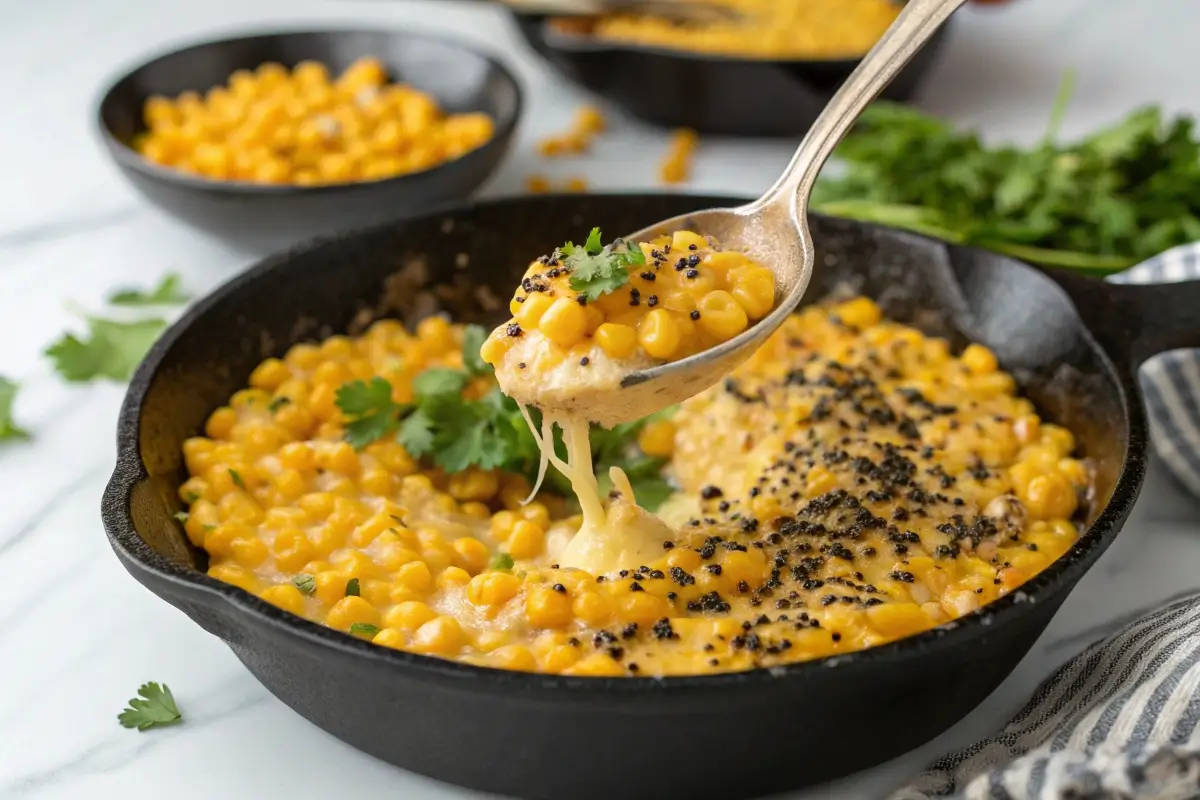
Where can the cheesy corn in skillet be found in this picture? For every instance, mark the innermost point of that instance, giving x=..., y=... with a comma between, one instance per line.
x=852, y=484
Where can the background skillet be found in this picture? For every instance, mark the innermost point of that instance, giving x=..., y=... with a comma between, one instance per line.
x=710, y=93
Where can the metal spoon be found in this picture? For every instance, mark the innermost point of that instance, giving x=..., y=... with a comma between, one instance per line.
x=774, y=228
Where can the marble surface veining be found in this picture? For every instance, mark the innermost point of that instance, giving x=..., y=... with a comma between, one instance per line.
x=77, y=635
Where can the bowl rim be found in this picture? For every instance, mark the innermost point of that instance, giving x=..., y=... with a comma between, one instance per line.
x=132, y=549
x=127, y=157
x=539, y=25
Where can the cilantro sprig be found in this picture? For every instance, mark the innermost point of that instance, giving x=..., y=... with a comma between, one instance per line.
x=154, y=707
x=440, y=424
x=168, y=292
x=111, y=349
x=9, y=429
x=598, y=269
x=454, y=432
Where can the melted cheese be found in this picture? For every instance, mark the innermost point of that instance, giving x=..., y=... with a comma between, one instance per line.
x=619, y=535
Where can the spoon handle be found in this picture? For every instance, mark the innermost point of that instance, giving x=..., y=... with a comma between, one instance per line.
x=916, y=23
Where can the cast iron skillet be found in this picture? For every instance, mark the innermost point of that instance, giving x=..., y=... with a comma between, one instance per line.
x=1073, y=344
x=263, y=218
x=706, y=92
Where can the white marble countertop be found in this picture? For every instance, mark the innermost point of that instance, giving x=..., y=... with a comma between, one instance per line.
x=78, y=635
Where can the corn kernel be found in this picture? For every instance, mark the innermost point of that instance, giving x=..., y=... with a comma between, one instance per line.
x=657, y=438
x=493, y=588
x=721, y=316
x=527, y=540
x=564, y=322
x=285, y=596
x=754, y=289
x=660, y=334
x=617, y=341
x=546, y=608
x=415, y=576
x=1050, y=497
x=349, y=610
x=440, y=636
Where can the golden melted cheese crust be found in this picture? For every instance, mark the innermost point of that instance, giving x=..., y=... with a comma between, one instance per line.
x=852, y=484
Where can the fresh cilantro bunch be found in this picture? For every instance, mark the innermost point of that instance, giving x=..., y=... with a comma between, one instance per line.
x=1103, y=203
x=456, y=433
x=598, y=269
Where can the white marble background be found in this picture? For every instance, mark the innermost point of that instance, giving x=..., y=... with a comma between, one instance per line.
x=77, y=635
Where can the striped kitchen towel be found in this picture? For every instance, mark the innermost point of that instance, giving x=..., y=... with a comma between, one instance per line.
x=1118, y=722
x=1171, y=381
x=1121, y=721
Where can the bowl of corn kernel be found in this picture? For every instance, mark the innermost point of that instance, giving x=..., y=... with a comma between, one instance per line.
x=268, y=139
x=769, y=71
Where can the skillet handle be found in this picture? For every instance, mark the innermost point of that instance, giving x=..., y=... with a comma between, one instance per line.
x=1135, y=322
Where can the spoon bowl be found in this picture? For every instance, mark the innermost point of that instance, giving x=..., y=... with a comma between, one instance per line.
x=774, y=228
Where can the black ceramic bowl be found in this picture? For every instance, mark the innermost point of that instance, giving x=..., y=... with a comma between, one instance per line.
x=710, y=93
x=262, y=217
x=1072, y=343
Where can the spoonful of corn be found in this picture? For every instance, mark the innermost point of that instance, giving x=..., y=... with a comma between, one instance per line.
x=612, y=333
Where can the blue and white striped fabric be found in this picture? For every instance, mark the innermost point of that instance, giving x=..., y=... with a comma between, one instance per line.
x=1121, y=721
x=1118, y=722
x=1171, y=382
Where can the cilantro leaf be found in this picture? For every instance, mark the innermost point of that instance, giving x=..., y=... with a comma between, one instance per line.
x=307, y=584
x=169, y=292
x=473, y=338
x=501, y=561
x=236, y=477
x=363, y=629
x=111, y=350
x=352, y=588
x=591, y=246
x=370, y=412
x=8, y=427
x=416, y=433
x=464, y=446
x=598, y=270
x=593, y=243
x=155, y=707
x=649, y=485
x=439, y=381
x=360, y=399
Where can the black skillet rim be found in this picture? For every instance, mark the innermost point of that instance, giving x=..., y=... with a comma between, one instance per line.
x=130, y=470
x=127, y=157
x=581, y=43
